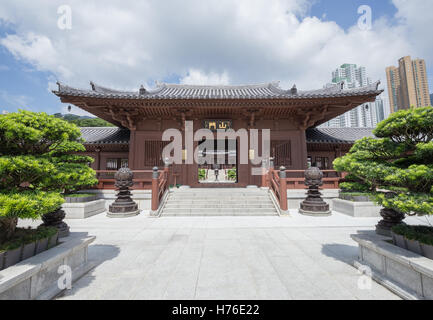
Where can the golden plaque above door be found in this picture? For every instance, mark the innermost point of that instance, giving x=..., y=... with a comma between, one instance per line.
x=215, y=125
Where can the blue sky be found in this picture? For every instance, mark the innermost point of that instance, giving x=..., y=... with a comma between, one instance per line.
x=345, y=12
x=26, y=74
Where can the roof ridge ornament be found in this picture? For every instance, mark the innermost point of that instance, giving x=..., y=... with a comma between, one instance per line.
x=294, y=90
x=142, y=90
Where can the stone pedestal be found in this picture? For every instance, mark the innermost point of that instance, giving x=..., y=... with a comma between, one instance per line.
x=123, y=206
x=390, y=219
x=314, y=204
x=55, y=219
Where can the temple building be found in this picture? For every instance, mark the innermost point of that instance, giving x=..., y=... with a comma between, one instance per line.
x=291, y=115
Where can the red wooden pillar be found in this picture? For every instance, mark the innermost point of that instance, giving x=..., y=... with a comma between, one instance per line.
x=264, y=177
x=155, y=189
x=283, y=189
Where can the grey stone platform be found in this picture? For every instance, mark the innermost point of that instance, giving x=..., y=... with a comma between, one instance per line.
x=83, y=210
x=406, y=273
x=37, y=277
x=268, y=257
x=356, y=209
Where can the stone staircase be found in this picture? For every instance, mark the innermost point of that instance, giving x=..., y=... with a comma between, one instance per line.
x=219, y=202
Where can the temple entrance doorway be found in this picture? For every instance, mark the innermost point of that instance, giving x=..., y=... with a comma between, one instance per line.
x=217, y=162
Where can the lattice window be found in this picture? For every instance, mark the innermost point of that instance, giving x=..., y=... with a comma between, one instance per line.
x=153, y=153
x=281, y=151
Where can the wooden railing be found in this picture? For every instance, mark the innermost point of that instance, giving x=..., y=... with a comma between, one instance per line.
x=159, y=186
x=277, y=182
x=295, y=179
x=155, y=180
x=142, y=179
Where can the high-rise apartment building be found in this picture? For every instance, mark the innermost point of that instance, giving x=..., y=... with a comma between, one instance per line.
x=408, y=84
x=366, y=115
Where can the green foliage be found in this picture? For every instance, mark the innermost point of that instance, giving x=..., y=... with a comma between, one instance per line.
x=37, y=162
x=409, y=202
x=411, y=126
x=84, y=195
x=37, y=152
x=83, y=121
x=353, y=187
x=423, y=234
x=201, y=174
x=400, y=161
x=25, y=236
x=26, y=132
x=28, y=204
x=231, y=174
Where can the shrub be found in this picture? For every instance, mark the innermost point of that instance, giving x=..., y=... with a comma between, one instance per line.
x=354, y=187
x=423, y=234
x=231, y=174
x=37, y=163
x=201, y=174
x=400, y=160
x=24, y=236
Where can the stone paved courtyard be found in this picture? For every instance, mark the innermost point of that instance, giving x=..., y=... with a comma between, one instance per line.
x=293, y=257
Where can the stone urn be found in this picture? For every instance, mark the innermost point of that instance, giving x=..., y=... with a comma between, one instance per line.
x=390, y=219
x=123, y=206
x=314, y=205
x=55, y=219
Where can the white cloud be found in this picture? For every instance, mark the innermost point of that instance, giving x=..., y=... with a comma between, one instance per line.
x=16, y=101
x=198, y=77
x=124, y=44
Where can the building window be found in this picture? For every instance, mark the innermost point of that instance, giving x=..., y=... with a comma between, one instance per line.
x=322, y=163
x=116, y=163
x=309, y=161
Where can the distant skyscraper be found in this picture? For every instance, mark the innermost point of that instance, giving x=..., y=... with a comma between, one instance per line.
x=408, y=84
x=367, y=115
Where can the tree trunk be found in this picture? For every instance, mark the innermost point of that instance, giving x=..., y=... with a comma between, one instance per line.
x=7, y=228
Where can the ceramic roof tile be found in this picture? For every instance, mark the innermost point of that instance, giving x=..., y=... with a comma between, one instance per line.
x=114, y=135
x=178, y=91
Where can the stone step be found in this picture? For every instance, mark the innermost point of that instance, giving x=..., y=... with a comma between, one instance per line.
x=219, y=202
x=218, y=195
x=222, y=206
x=204, y=203
x=208, y=211
x=220, y=198
x=214, y=191
x=218, y=214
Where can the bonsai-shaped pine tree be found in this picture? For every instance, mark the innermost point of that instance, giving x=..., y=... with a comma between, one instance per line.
x=398, y=165
x=38, y=163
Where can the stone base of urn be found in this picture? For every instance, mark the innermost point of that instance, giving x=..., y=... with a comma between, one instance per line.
x=123, y=206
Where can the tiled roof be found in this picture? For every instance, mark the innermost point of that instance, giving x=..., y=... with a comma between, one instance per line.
x=338, y=135
x=178, y=91
x=105, y=135
x=114, y=135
